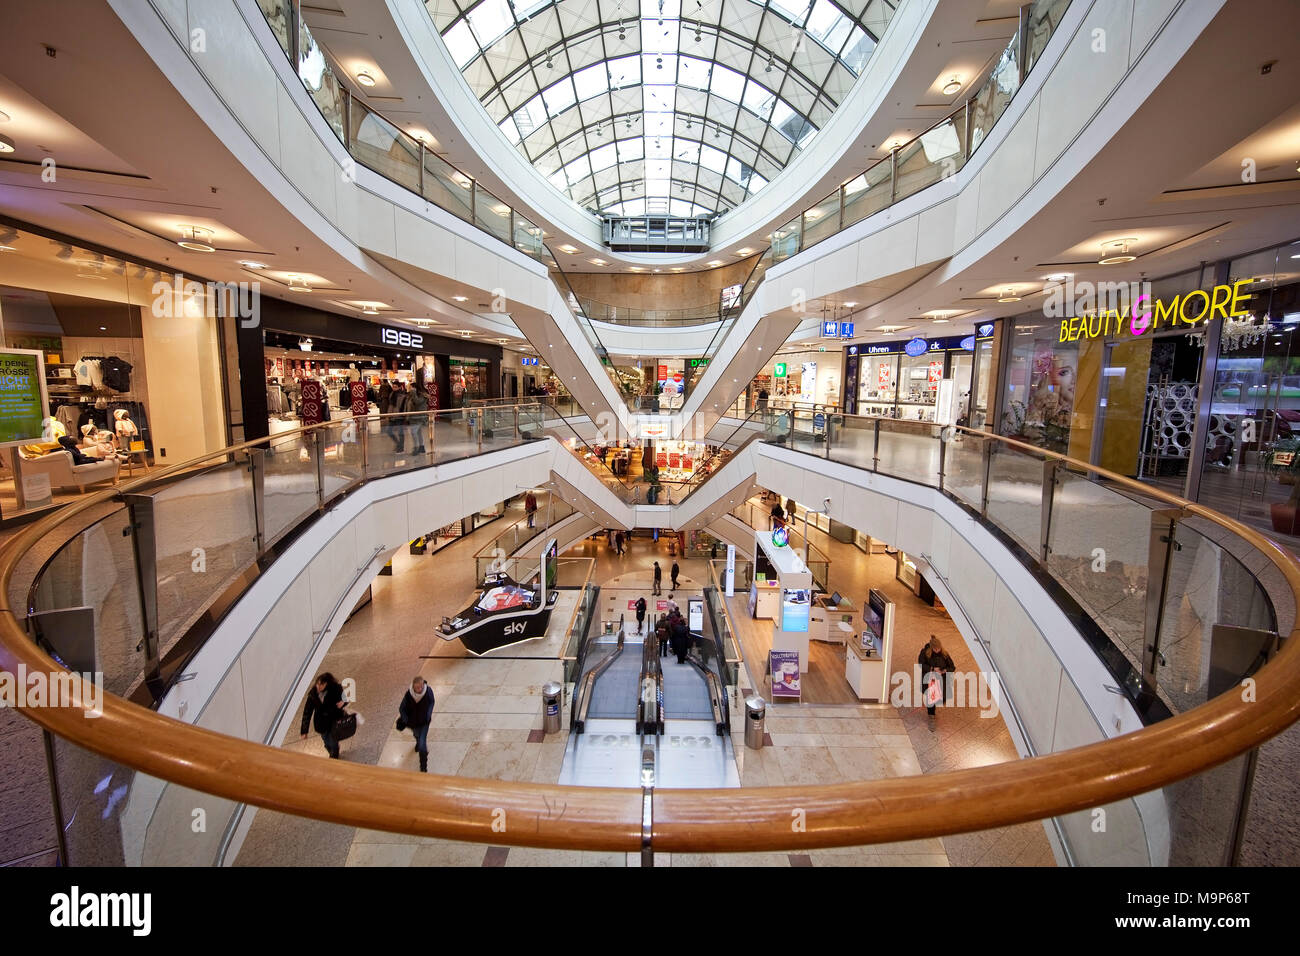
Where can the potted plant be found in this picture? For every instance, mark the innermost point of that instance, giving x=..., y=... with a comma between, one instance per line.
x=1284, y=461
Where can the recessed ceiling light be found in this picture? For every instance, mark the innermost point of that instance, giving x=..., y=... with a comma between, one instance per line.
x=951, y=87
x=943, y=321
x=103, y=328
x=365, y=79
x=194, y=238
x=298, y=284
x=568, y=248
x=460, y=298
x=599, y=262
x=1119, y=253
x=370, y=310
x=252, y=264
x=1057, y=276
x=1008, y=296
x=849, y=305
x=745, y=252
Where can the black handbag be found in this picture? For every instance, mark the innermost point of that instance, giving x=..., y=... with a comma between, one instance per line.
x=344, y=727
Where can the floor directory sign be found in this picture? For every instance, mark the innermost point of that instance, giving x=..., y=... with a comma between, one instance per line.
x=22, y=396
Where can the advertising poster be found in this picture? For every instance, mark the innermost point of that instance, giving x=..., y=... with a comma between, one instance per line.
x=22, y=399
x=731, y=570
x=785, y=673
x=885, y=374
x=794, y=610
x=695, y=615
x=311, y=410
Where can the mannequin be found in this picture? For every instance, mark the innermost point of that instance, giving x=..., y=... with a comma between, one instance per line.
x=125, y=428
x=54, y=430
x=96, y=443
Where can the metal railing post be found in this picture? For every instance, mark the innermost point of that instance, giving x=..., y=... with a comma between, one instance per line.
x=421, y=173
x=257, y=468
x=347, y=120
x=966, y=122
x=144, y=541
x=875, y=446
x=1049, y=495
x=516, y=411
x=1022, y=44
x=988, y=471
x=363, y=424
x=893, y=175
x=318, y=452
x=1160, y=550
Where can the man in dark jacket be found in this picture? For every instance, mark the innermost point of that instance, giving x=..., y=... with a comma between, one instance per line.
x=324, y=707
x=640, y=615
x=415, y=714
x=385, y=394
x=659, y=579
x=674, y=572
x=681, y=639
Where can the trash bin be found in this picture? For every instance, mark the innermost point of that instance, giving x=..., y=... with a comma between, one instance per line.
x=755, y=722
x=551, y=720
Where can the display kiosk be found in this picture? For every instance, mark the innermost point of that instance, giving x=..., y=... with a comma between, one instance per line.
x=789, y=599
x=505, y=612
x=833, y=619
x=867, y=656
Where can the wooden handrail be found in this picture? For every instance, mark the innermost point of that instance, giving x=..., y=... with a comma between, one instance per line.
x=549, y=816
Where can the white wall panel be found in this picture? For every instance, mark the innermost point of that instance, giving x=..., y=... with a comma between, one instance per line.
x=935, y=230
x=303, y=158
x=913, y=534
x=334, y=561
x=1030, y=670
x=1009, y=172
x=285, y=636
x=236, y=67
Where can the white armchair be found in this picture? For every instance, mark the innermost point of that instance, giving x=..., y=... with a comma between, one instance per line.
x=64, y=474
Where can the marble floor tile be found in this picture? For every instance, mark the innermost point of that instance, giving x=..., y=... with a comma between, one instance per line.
x=381, y=854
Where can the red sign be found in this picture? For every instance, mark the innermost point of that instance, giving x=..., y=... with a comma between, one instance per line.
x=312, y=410
x=688, y=463
x=663, y=373
x=936, y=371
x=661, y=460
x=886, y=373
x=661, y=605
x=674, y=460
x=358, y=396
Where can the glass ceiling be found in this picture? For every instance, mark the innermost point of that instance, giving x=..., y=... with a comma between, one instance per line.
x=677, y=107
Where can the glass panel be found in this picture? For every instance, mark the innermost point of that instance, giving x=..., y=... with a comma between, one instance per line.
x=1202, y=814
x=821, y=220
x=289, y=484
x=528, y=238
x=278, y=14
x=1044, y=17
x=403, y=442
x=1016, y=495
x=343, y=454
x=936, y=154
x=868, y=193
x=381, y=146
x=491, y=214
x=93, y=796
x=785, y=241
x=319, y=80
x=447, y=187
x=212, y=510
x=963, y=469
x=992, y=99
x=910, y=450
x=854, y=442
x=1098, y=548
x=1207, y=586
x=96, y=569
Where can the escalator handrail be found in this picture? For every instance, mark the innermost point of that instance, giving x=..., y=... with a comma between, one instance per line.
x=582, y=697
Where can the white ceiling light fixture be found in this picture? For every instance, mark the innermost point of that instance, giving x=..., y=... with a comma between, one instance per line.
x=252, y=264
x=304, y=344
x=6, y=144
x=298, y=284
x=370, y=310
x=459, y=298
x=1058, y=276
x=1009, y=295
x=195, y=238
x=951, y=87
x=1118, y=252
x=365, y=79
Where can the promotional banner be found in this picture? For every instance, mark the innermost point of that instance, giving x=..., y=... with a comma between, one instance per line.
x=784, y=666
x=22, y=399
x=731, y=570
x=312, y=411
x=357, y=392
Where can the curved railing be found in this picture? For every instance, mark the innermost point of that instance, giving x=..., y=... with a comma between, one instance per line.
x=903, y=808
x=934, y=154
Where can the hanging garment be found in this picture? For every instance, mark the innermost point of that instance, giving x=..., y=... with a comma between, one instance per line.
x=116, y=373
x=89, y=372
x=68, y=416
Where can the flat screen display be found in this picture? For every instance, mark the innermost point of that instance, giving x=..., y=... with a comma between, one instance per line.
x=22, y=396
x=695, y=615
x=873, y=615
x=504, y=598
x=794, y=610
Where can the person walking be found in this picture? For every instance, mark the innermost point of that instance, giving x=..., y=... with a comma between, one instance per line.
x=530, y=507
x=618, y=542
x=417, y=400
x=659, y=580
x=385, y=396
x=325, y=705
x=762, y=399
x=777, y=515
x=681, y=638
x=935, y=666
x=398, y=404
x=640, y=615
x=674, y=571
x=415, y=713
x=789, y=510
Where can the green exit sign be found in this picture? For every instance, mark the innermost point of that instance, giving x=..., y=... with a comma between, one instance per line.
x=780, y=370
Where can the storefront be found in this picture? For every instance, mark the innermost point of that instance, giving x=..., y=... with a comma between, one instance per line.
x=296, y=343
x=130, y=367
x=906, y=379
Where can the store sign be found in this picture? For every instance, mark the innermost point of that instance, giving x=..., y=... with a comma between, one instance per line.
x=22, y=402
x=985, y=330
x=968, y=343
x=853, y=350
x=699, y=363
x=779, y=370
x=917, y=346
x=879, y=349
x=526, y=360
x=936, y=372
x=830, y=330
x=1225, y=300
x=401, y=337
x=846, y=330
x=781, y=537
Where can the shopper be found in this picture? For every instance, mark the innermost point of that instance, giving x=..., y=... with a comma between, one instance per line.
x=935, y=666
x=385, y=396
x=618, y=541
x=778, y=516
x=681, y=638
x=674, y=572
x=398, y=405
x=530, y=507
x=325, y=705
x=659, y=580
x=415, y=714
x=789, y=510
x=762, y=399
x=640, y=615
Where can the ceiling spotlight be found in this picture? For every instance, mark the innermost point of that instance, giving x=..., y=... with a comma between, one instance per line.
x=459, y=298
x=365, y=79
x=849, y=305
x=1057, y=276
x=6, y=144
x=252, y=264
x=1119, y=253
x=1009, y=296
x=370, y=310
x=304, y=344
x=298, y=284
x=951, y=87
x=195, y=239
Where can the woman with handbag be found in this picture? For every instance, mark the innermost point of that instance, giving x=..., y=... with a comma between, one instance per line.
x=415, y=713
x=324, y=709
